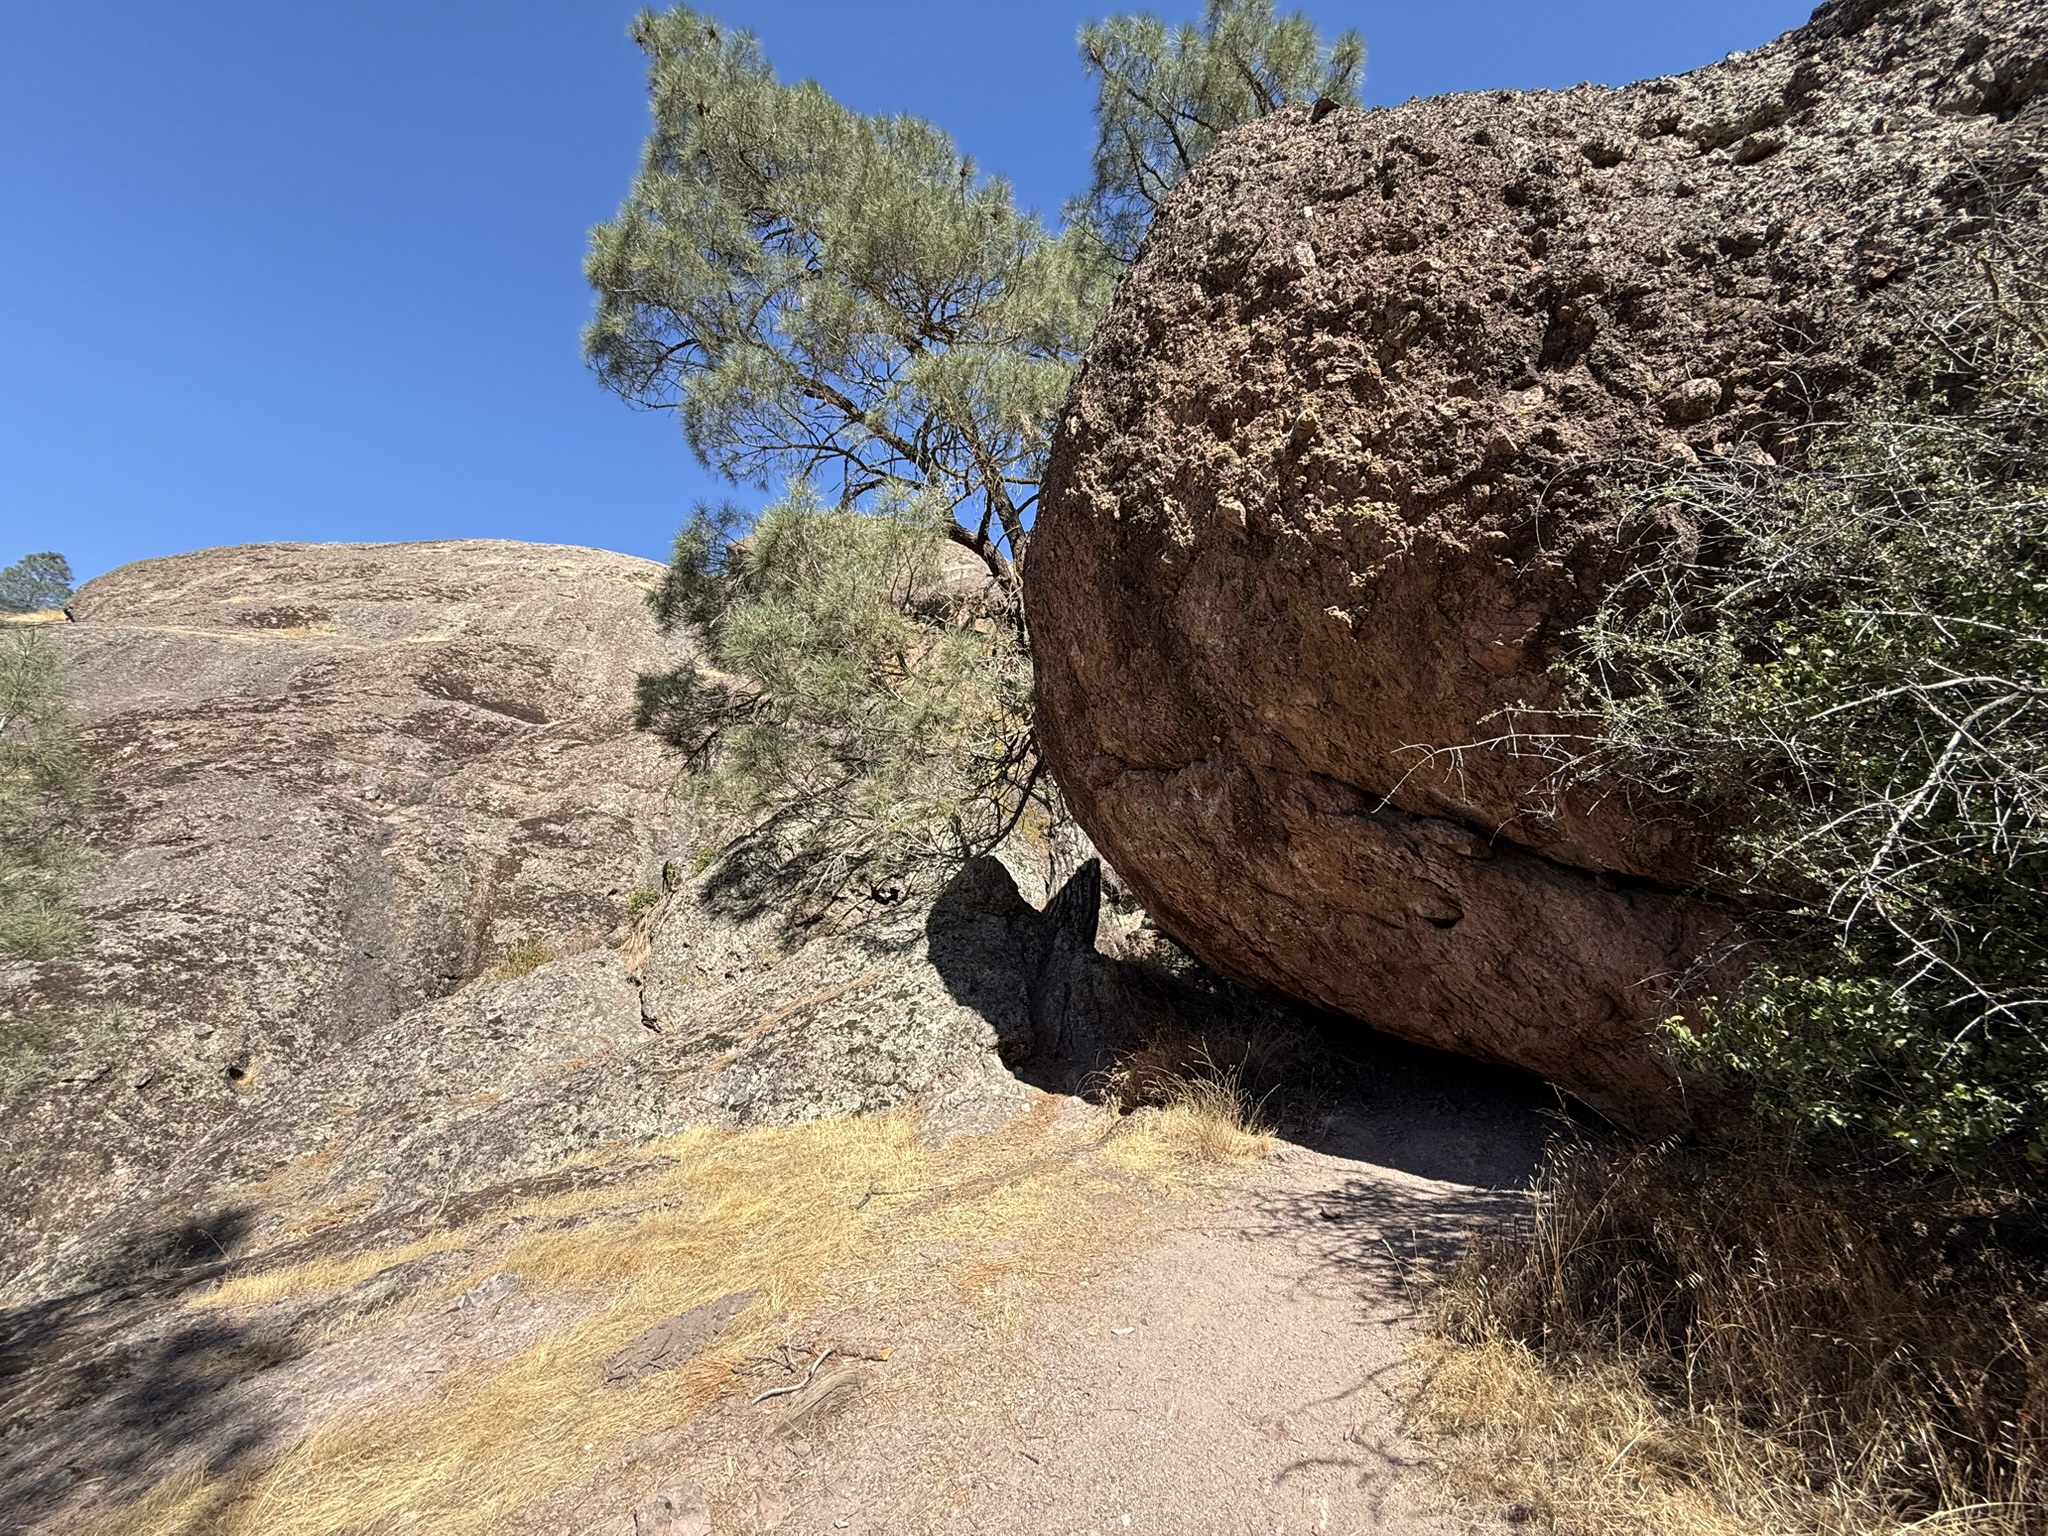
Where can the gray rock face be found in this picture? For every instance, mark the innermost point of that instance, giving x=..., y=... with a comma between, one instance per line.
x=1331, y=492
x=342, y=783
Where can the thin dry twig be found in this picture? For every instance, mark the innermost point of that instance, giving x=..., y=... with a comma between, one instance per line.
x=823, y=1355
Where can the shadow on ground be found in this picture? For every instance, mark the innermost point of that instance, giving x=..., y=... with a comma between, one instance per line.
x=103, y=1389
x=1075, y=1020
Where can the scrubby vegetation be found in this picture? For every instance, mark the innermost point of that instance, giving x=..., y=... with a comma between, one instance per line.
x=1685, y=1342
x=44, y=794
x=1846, y=660
x=870, y=698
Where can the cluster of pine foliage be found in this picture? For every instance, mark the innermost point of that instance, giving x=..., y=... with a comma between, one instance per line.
x=843, y=312
x=35, y=583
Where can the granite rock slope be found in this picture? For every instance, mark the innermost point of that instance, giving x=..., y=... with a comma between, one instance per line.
x=1331, y=491
x=398, y=915
x=338, y=782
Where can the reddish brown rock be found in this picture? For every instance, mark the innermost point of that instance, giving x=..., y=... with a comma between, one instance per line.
x=1331, y=491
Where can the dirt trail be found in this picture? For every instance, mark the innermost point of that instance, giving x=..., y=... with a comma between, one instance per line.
x=1238, y=1374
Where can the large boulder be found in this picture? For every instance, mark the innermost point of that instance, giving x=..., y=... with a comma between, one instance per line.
x=1331, y=491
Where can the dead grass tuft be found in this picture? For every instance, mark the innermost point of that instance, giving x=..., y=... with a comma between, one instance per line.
x=314, y=1281
x=1675, y=1343
x=1257, y=1055
x=1207, y=1119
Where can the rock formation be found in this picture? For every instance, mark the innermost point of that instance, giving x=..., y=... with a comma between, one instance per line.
x=397, y=913
x=399, y=934
x=388, y=877
x=1329, y=494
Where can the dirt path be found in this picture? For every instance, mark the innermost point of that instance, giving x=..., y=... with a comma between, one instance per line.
x=1237, y=1374
x=1234, y=1379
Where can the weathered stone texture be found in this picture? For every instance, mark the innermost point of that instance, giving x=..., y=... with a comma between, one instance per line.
x=1331, y=489
x=339, y=781
x=342, y=784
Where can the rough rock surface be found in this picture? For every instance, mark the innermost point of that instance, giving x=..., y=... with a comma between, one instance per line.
x=338, y=782
x=344, y=786
x=1329, y=492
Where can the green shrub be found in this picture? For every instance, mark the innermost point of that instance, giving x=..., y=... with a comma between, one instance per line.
x=1846, y=663
x=860, y=694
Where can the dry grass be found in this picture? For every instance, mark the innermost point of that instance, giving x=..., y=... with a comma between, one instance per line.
x=834, y=1218
x=1682, y=1345
x=1202, y=1120
x=312, y=1282
x=1257, y=1052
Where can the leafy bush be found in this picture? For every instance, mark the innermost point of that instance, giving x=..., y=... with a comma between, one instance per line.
x=1846, y=663
x=44, y=794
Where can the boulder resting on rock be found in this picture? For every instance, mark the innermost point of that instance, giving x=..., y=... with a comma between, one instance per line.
x=1332, y=491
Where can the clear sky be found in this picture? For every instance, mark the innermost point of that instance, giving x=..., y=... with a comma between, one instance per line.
x=313, y=271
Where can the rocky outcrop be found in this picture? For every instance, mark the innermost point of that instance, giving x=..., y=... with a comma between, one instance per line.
x=338, y=782
x=397, y=914
x=1330, y=493
x=350, y=793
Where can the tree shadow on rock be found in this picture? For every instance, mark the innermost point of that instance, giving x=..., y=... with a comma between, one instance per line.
x=105, y=1389
x=110, y=1389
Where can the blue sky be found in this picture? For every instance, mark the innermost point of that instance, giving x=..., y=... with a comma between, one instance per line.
x=298, y=271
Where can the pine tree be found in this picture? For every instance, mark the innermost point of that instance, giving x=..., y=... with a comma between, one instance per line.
x=842, y=309
x=833, y=298
x=1165, y=95
x=35, y=583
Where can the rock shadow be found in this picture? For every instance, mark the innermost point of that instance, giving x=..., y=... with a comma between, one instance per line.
x=1070, y=1019
x=1065, y=1015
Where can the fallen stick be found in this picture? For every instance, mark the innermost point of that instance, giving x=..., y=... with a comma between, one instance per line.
x=861, y=1351
x=823, y=1355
